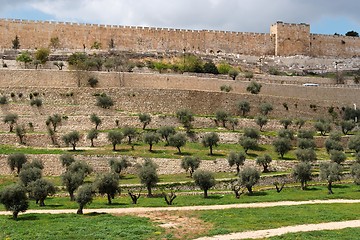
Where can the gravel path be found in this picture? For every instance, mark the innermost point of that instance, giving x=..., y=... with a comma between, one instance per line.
x=284, y=230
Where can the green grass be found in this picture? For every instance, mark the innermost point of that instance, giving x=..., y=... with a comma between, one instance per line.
x=238, y=220
x=343, y=234
x=72, y=226
x=9, y=149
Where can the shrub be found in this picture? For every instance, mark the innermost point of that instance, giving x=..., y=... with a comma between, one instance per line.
x=261, y=121
x=337, y=156
x=67, y=160
x=330, y=172
x=286, y=122
x=249, y=75
x=40, y=189
x=3, y=100
x=130, y=133
x=93, y=82
x=36, y=102
x=286, y=133
x=95, y=120
x=233, y=73
x=165, y=132
x=104, y=101
x=11, y=119
x=265, y=108
x=254, y=87
x=225, y=88
x=222, y=116
x=306, y=155
x=209, y=67
x=92, y=134
x=42, y=55
x=54, y=120
x=224, y=68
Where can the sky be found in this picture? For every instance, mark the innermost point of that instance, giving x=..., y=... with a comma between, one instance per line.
x=324, y=16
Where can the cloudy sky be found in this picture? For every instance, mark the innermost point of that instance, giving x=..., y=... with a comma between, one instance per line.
x=325, y=16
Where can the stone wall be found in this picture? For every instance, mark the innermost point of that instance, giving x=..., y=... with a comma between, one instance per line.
x=284, y=39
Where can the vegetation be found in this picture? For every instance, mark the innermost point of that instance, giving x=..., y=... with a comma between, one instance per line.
x=330, y=172
x=264, y=161
x=254, y=87
x=72, y=139
x=302, y=173
x=185, y=117
x=205, y=180
x=54, y=120
x=243, y=107
x=151, y=138
x=165, y=132
x=210, y=140
x=148, y=175
x=115, y=137
x=177, y=140
x=95, y=119
x=14, y=199
x=108, y=184
x=16, y=160
x=84, y=196
x=248, y=177
x=190, y=164
x=145, y=119
x=237, y=159
x=11, y=119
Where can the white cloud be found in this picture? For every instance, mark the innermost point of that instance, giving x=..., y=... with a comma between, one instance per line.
x=237, y=15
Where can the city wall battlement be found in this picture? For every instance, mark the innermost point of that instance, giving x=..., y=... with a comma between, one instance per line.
x=283, y=40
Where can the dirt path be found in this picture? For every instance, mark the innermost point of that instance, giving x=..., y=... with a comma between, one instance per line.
x=284, y=230
x=189, y=208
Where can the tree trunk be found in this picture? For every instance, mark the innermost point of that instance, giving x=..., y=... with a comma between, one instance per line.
x=80, y=210
x=302, y=185
x=109, y=198
x=92, y=143
x=211, y=152
x=42, y=203
x=74, y=145
x=266, y=168
x=114, y=147
x=11, y=127
x=224, y=124
x=150, y=147
x=149, y=191
x=72, y=197
x=237, y=169
x=15, y=215
x=129, y=140
x=249, y=188
x=329, y=187
x=205, y=193
x=179, y=150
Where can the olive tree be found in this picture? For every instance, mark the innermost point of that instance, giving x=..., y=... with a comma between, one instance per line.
x=204, y=179
x=15, y=199
x=165, y=132
x=265, y=108
x=20, y=133
x=282, y=146
x=299, y=123
x=108, y=184
x=54, y=120
x=337, y=156
x=264, y=161
x=28, y=175
x=243, y=107
x=237, y=159
x=117, y=165
x=72, y=138
x=210, y=140
x=286, y=122
x=115, y=137
x=104, y=101
x=11, y=119
x=333, y=142
x=92, y=134
x=222, y=116
x=145, y=119
x=95, y=120
x=190, y=164
x=67, y=160
x=355, y=173
x=248, y=177
x=148, y=175
x=305, y=155
x=302, y=173
x=354, y=143
x=178, y=140
x=16, y=160
x=84, y=196
x=151, y=138
x=130, y=133
x=322, y=126
x=254, y=87
x=248, y=143
x=185, y=117
x=347, y=126
x=330, y=172
x=261, y=121
x=40, y=189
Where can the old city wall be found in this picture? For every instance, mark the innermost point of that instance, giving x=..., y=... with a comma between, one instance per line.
x=284, y=39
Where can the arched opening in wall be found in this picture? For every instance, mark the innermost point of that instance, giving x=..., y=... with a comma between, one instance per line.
x=218, y=51
x=290, y=47
x=211, y=51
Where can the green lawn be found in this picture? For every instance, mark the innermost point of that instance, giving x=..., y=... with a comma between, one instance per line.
x=72, y=226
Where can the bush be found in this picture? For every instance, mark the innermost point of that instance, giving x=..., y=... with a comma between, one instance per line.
x=224, y=68
x=93, y=82
x=249, y=75
x=222, y=116
x=304, y=143
x=130, y=133
x=337, y=156
x=42, y=55
x=233, y=73
x=355, y=173
x=67, y=160
x=261, y=121
x=305, y=155
x=286, y=133
x=3, y=100
x=36, y=102
x=248, y=143
x=55, y=120
x=205, y=180
x=225, y=88
x=104, y=101
x=254, y=87
x=165, y=132
x=354, y=143
x=330, y=172
x=209, y=67
x=28, y=175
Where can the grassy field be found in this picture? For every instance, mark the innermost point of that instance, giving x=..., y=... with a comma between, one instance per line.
x=72, y=226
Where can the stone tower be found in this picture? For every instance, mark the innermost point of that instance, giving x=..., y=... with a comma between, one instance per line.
x=291, y=39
